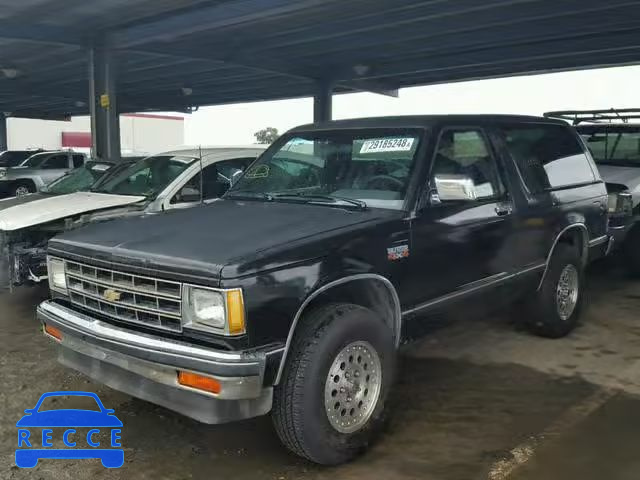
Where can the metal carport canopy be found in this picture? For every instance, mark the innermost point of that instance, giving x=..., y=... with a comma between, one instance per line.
x=176, y=54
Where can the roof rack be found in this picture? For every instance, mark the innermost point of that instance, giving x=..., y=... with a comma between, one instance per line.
x=596, y=116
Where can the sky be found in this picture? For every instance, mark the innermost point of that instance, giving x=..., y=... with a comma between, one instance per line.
x=531, y=95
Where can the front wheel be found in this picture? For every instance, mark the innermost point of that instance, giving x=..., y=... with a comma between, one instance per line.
x=329, y=404
x=22, y=189
x=555, y=309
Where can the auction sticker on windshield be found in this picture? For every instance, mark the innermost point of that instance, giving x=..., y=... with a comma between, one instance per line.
x=53, y=430
x=259, y=171
x=403, y=144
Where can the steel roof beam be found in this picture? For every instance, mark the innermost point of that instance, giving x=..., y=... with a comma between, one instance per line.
x=437, y=20
x=210, y=18
x=45, y=34
x=273, y=66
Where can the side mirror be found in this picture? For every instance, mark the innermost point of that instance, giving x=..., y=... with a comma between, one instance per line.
x=235, y=176
x=453, y=187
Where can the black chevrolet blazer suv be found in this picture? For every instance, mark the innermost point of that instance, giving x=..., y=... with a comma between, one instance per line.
x=293, y=292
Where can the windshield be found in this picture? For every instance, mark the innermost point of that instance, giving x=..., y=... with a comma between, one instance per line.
x=35, y=160
x=147, y=177
x=13, y=158
x=371, y=166
x=615, y=146
x=79, y=179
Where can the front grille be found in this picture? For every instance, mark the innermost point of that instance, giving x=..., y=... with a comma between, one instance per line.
x=126, y=297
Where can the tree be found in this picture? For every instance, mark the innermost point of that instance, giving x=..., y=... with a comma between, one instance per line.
x=266, y=135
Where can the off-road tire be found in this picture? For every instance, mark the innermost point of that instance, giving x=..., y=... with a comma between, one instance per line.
x=298, y=413
x=631, y=251
x=543, y=317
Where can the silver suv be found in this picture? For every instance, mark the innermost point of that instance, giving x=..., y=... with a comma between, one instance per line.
x=37, y=171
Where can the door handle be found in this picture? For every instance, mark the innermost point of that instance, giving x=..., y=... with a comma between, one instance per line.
x=503, y=210
x=601, y=206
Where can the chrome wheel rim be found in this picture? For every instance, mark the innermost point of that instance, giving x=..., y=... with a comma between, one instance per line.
x=21, y=191
x=352, y=387
x=567, y=291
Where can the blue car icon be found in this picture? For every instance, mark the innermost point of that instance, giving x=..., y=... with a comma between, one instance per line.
x=68, y=419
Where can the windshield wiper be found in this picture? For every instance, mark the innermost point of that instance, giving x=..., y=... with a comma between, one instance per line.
x=249, y=194
x=319, y=198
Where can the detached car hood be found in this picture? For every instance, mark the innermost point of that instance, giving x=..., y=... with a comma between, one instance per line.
x=200, y=241
x=17, y=213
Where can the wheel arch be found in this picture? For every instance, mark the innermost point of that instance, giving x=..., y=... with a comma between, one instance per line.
x=381, y=297
x=23, y=181
x=576, y=235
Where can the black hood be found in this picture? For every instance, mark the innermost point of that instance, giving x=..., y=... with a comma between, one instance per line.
x=200, y=241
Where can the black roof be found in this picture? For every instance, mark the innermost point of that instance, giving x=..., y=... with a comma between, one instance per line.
x=422, y=121
x=174, y=54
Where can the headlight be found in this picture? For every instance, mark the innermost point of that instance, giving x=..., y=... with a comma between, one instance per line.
x=218, y=311
x=3, y=173
x=621, y=202
x=57, y=276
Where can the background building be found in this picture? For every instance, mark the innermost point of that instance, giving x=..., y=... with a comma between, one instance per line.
x=139, y=133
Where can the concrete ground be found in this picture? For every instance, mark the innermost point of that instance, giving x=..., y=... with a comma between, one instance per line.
x=476, y=399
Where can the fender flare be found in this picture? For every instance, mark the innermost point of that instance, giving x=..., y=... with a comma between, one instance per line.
x=397, y=320
x=585, y=247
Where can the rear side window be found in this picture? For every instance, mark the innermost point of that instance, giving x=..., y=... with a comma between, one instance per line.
x=548, y=156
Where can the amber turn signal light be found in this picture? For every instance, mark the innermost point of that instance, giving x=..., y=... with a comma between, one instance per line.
x=235, y=309
x=199, y=382
x=53, y=332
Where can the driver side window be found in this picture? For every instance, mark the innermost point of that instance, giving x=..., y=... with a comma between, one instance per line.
x=56, y=162
x=464, y=167
x=213, y=185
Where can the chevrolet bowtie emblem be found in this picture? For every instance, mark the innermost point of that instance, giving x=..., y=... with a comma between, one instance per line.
x=111, y=295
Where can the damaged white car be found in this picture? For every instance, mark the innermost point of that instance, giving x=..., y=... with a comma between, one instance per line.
x=151, y=185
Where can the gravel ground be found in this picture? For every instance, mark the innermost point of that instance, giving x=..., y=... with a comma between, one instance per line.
x=476, y=399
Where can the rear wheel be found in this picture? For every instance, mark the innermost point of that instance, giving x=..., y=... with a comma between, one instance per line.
x=329, y=404
x=631, y=251
x=555, y=309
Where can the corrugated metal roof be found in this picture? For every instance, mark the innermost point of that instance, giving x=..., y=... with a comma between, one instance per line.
x=228, y=51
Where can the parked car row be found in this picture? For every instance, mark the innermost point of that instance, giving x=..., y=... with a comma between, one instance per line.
x=292, y=283
x=100, y=191
x=36, y=171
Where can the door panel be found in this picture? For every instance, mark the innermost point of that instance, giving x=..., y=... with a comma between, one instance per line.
x=460, y=243
x=454, y=246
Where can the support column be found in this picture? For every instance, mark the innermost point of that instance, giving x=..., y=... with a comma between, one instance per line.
x=105, y=123
x=4, y=137
x=323, y=102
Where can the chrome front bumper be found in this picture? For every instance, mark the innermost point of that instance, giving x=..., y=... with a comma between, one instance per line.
x=146, y=366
